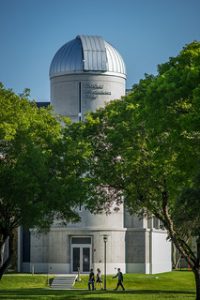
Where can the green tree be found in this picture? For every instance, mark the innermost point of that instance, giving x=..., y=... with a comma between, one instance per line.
x=146, y=148
x=39, y=179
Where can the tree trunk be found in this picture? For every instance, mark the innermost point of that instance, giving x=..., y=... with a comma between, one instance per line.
x=197, y=269
x=6, y=263
x=182, y=245
x=197, y=282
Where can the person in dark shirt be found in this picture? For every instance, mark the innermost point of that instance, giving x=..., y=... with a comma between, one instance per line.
x=119, y=276
x=98, y=278
x=91, y=280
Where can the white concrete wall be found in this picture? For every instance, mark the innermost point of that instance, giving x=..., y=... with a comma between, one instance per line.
x=160, y=252
x=137, y=268
x=147, y=251
x=46, y=268
x=96, y=91
x=51, y=253
x=114, y=220
x=50, y=268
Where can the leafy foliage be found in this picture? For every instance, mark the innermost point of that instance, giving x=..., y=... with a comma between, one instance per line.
x=146, y=148
x=39, y=169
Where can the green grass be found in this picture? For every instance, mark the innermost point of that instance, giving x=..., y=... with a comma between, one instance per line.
x=175, y=285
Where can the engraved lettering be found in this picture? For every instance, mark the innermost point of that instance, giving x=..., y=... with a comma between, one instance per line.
x=92, y=90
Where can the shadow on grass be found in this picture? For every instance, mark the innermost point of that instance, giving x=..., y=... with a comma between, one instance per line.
x=156, y=292
x=75, y=294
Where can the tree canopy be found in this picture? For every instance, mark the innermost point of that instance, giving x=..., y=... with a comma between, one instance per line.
x=39, y=180
x=146, y=147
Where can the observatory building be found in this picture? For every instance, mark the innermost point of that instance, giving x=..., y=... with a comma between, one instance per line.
x=85, y=73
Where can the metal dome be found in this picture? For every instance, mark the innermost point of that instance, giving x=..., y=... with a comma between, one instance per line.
x=91, y=54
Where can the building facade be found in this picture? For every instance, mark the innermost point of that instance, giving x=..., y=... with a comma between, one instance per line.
x=85, y=73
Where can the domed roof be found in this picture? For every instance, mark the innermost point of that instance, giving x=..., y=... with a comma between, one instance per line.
x=91, y=54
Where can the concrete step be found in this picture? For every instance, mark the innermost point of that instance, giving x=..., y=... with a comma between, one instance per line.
x=63, y=282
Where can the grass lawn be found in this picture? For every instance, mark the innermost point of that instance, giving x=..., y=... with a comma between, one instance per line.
x=174, y=285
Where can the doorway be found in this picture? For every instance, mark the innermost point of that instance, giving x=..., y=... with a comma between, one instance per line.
x=81, y=254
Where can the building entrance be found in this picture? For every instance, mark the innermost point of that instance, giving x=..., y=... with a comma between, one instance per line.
x=81, y=254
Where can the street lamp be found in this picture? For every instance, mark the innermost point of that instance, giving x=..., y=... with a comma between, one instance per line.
x=105, y=238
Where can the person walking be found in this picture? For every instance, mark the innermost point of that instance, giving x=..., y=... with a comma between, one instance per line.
x=91, y=280
x=98, y=277
x=119, y=276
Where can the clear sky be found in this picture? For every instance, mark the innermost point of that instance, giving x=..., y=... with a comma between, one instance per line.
x=145, y=32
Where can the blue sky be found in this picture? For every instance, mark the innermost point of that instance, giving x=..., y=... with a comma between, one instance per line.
x=145, y=32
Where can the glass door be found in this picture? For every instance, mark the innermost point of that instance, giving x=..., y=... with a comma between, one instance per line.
x=75, y=259
x=86, y=259
x=81, y=258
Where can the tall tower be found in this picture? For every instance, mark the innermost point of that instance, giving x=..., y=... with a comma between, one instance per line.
x=85, y=73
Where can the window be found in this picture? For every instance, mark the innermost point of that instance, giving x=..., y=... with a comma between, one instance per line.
x=81, y=240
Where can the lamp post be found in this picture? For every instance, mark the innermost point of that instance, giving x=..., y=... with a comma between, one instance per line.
x=105, y=238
